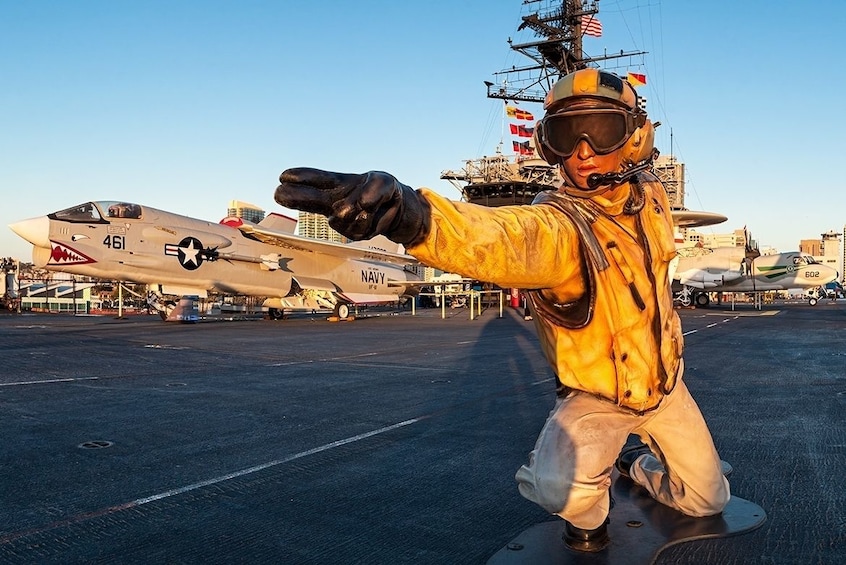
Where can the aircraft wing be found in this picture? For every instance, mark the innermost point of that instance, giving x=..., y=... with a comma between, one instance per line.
x=308, y=245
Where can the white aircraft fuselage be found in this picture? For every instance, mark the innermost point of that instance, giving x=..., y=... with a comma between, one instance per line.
x=133, y=243
x=727, y=269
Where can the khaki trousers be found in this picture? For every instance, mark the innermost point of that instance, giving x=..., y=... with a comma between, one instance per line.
x=569, y=470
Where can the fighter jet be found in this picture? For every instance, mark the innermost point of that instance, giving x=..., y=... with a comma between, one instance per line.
x=701, y=270
x=179, y=256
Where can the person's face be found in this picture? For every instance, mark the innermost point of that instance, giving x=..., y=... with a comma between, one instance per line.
x=584, y=162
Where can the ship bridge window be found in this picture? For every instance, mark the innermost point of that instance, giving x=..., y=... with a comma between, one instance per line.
x=86, y=213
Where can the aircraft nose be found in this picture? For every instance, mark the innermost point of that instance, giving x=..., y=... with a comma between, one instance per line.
x=35, y=230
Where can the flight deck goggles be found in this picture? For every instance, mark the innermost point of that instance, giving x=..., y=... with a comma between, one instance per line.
x=605, y=129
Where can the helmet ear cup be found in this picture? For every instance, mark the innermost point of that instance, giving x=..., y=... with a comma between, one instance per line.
x=640, y=144
x=541, y=148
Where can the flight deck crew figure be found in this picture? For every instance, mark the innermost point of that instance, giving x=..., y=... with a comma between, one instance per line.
x=593, y=256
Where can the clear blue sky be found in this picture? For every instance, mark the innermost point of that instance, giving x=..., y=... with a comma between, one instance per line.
x=184, y=105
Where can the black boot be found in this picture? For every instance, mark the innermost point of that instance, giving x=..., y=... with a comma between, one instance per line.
x=628, y=456
x=590, y=541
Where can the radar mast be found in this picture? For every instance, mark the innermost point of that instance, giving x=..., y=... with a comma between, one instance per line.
x=556, y=50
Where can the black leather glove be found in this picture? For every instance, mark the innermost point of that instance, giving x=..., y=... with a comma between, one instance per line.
x=358, y=206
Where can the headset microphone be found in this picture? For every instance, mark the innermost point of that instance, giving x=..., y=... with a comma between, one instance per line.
x=595, y=179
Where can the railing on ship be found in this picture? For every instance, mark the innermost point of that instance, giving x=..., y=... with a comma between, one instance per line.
x=462, y=297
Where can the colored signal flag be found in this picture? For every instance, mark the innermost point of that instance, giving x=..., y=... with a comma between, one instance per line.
x=521, y=131
x=523, y=148
x=514, y=112
x=636, y=79
x=591, y=26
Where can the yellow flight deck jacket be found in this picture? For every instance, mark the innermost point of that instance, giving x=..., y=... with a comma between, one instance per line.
x=597, y=278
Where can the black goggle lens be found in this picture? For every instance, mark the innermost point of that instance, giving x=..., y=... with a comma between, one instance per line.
x=604, y=131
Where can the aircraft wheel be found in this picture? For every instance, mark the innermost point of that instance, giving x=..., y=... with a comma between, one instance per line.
x=812, y=301
x=342, y=310
x=275, y=313
x=702, y=300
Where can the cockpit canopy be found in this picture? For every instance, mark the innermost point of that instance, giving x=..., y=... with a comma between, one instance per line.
x=804, y=260
x=124, y=210
x=100, y=211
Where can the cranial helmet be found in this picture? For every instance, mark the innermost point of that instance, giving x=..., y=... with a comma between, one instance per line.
x=599, y=107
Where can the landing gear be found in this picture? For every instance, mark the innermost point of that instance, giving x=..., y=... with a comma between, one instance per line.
x=275, y=313
x=157, y=303
x=342, y=310
x=689, y=296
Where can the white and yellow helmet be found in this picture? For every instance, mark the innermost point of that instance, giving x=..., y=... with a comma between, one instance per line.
x=597, y=106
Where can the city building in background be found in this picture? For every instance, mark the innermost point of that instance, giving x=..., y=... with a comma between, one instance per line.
x=670, y=172
x=737, y=238
x=831, y=254
x=316, y=226
x=245, y=211
x=843, y=257
x=811, y=246
x=827, y=250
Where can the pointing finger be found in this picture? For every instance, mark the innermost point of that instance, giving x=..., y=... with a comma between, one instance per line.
x=313, y=190
x=324, y=180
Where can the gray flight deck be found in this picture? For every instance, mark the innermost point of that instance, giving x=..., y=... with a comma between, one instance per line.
x=389, y=439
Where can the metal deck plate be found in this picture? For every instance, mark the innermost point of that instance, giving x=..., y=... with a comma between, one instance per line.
x=640, y=528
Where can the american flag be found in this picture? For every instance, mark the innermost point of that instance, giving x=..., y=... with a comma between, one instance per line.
x=591, y=26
